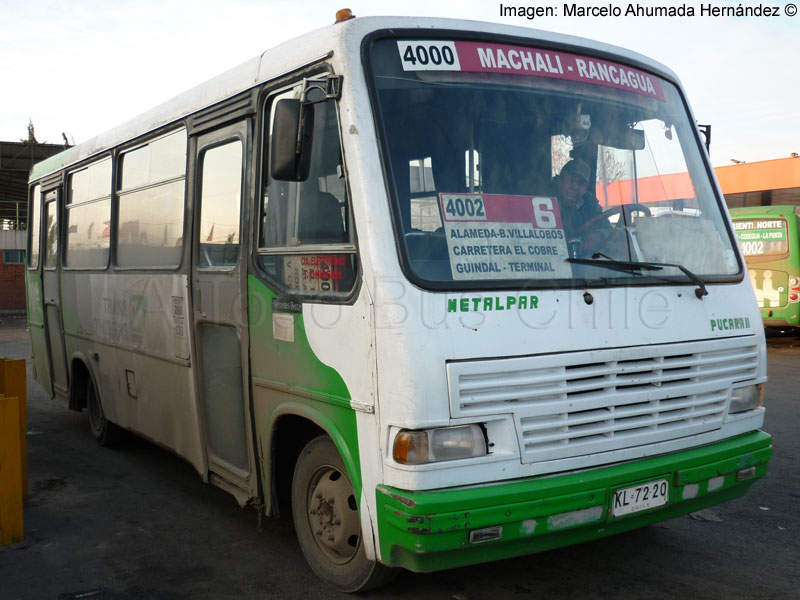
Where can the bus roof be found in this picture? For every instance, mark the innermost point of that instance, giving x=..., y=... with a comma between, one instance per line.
x=306, y=49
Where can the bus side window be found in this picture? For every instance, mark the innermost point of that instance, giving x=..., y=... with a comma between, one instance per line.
x=220, y=208
x=88, y=216
x=51, y=231
x=306, y=242
x=151, y=203
x=33, y=227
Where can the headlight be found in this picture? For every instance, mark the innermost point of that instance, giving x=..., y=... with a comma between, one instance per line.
x=746, y=398
x=434, y=445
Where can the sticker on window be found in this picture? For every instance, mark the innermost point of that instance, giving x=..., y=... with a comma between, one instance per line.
x=483, y=57
x=495, y=236
x=429, y=56
x=315, y=273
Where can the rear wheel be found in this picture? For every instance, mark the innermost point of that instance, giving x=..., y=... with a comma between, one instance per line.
x=103, y=431
x=327, y=523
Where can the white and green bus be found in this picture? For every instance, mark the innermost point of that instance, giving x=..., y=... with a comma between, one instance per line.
x=343, y=282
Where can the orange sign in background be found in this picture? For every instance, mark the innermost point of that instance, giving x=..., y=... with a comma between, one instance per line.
x=777, y=174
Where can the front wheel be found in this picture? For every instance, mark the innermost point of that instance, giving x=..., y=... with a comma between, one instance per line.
x=327, y=522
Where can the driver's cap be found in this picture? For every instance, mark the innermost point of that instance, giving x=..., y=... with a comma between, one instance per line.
x=577, y=167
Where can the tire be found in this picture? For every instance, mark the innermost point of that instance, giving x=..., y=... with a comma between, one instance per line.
x=103, y=431
x=327, y=523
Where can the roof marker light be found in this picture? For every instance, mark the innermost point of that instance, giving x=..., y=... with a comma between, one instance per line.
x=344, y=14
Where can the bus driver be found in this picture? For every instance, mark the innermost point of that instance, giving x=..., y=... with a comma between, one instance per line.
x=578, y=207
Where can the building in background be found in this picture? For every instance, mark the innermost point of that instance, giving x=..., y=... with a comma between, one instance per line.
x=12, y=270
x=763, y=183
x=16, y=160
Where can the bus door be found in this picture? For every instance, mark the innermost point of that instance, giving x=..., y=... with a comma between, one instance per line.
x=51, y=295
x=219, y=297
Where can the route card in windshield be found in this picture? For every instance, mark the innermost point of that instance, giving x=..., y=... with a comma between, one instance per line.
x=495, y=236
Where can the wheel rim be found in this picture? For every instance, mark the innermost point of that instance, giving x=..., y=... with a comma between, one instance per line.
x=333, y=515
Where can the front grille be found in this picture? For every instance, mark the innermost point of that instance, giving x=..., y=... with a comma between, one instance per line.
x=582, y=403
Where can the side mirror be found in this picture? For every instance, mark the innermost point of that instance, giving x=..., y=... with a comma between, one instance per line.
x=290, y=146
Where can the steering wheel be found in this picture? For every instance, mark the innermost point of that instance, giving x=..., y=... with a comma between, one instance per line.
x=628, y=209
x=588, y=230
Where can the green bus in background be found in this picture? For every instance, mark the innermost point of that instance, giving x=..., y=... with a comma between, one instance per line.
x=770, y=242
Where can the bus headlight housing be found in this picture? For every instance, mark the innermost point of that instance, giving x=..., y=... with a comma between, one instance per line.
x=419, y=447
x=746, y=398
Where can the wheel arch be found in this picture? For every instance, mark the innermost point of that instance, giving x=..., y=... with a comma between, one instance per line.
x=292, y=425
x=80, y=374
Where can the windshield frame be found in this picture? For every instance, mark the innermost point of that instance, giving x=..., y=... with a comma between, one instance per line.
x=575, y=282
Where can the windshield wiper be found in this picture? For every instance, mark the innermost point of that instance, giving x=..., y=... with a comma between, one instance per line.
x=632, y=266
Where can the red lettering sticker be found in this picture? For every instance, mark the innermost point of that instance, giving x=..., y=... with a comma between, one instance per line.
x=482, y=57
x=501, y=58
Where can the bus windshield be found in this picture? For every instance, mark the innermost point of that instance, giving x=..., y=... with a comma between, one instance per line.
x=505, y=162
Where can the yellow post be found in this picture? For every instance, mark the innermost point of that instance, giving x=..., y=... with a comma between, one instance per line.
x=13, y=385
x=11, y=527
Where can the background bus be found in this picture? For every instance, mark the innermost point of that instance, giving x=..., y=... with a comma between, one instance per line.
x=770, y=242
x=342, y=281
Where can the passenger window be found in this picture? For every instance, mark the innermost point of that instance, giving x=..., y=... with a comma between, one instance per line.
x=33, y=226
x=306, y=240
x=221, y=194
x=51, y=231
x=151, y=203
x=89, y=216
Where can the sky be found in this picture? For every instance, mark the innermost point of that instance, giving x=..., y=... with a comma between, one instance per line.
x=81, y=67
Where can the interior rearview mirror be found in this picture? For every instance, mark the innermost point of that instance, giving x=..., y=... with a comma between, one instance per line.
x=290, y=146
x=624, y=139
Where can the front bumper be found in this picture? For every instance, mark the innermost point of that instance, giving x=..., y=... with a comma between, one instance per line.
x=430, y=530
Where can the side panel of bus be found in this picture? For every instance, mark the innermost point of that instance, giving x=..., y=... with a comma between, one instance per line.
x=124, y=293
x=308, y=313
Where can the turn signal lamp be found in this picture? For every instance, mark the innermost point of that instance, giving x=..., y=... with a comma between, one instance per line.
x=419, y=447
x=344, y=14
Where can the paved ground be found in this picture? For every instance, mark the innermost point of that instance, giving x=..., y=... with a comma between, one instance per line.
x=137, y=522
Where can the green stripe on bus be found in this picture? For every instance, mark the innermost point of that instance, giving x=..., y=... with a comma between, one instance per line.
x=430, y=530
x=299, y=381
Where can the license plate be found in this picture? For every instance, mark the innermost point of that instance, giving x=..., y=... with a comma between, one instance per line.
x=640, y=497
